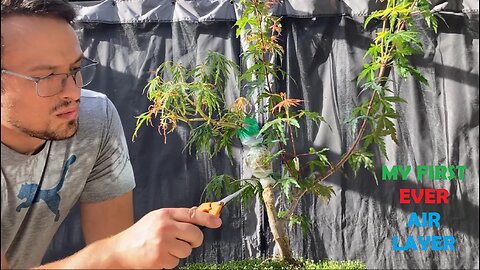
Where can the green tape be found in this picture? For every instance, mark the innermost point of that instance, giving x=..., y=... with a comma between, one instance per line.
x=250, y=128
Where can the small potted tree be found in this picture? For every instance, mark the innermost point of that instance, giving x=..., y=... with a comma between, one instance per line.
x=265, y=120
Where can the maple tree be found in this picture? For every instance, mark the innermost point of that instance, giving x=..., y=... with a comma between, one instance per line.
x=265, y=119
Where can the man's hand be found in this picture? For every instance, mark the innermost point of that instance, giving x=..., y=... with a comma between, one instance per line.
x=161, y=238
x=158, y=240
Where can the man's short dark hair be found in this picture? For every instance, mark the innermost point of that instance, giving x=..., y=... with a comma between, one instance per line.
x=60, y=9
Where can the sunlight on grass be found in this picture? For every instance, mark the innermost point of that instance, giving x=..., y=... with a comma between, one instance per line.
x=271, y=264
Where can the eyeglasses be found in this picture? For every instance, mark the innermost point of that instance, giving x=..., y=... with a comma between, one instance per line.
x=55, y=83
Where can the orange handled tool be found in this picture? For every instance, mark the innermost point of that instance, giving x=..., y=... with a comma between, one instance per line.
x=215, y=208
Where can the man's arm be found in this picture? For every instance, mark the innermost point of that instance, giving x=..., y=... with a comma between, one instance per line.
x=4, y=261
x=104, y=219
x=106, y=205
x=87, y=258
x=158, y=240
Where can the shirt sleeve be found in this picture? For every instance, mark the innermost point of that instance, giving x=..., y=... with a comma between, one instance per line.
x=112, y=174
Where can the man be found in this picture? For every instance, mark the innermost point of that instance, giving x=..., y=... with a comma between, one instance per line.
x=62, y=144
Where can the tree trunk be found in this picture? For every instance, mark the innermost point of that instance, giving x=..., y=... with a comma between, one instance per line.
x=277, y=226
x=255, y=160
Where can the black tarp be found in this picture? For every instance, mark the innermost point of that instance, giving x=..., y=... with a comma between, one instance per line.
x=324, y=46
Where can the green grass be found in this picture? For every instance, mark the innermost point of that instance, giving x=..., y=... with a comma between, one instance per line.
x=271, y=264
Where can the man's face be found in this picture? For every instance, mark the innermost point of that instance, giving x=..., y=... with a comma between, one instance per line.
x=38, y=47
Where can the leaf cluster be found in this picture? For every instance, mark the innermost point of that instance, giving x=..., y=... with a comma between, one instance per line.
x=394, y=43
x=197, y=98
x=226, y=184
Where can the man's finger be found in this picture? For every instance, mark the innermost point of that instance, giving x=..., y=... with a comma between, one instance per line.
x=188, y=233
x=190, y=215
x=169, y=262
x=192, y=211
x=181, y=249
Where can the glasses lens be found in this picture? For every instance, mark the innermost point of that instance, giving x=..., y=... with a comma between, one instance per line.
x=51, y=85
x=55, y=83
x=86, y=73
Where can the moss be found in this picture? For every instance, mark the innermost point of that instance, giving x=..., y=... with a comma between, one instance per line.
x=271, y=264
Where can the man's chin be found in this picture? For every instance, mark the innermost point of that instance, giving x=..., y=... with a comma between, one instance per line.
x=70, y=131
x=63, y=132
x=67, y=131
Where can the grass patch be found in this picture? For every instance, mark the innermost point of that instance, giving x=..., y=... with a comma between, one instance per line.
x=271, y=264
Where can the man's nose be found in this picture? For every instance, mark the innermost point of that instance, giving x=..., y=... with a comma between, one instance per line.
x=70, y=88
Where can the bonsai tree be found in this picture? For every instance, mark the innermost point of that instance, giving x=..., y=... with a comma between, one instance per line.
x=265, y=119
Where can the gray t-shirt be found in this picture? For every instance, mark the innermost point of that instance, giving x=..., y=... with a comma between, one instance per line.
x=39, y=190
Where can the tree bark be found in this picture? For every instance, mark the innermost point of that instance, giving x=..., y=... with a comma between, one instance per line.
x=277, y=226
